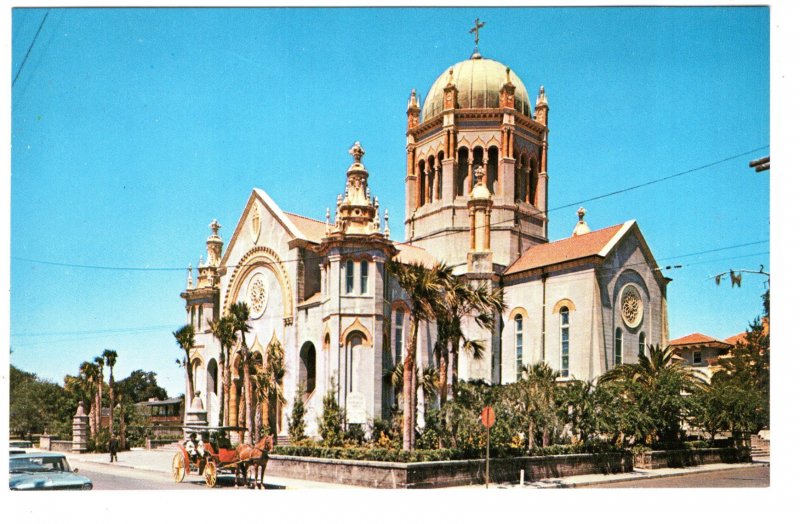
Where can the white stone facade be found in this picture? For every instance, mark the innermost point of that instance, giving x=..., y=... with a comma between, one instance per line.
x=322, y=290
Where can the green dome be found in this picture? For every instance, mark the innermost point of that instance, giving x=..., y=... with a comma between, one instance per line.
x=478, y=81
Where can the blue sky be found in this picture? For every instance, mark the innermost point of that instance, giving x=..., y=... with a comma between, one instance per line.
x=133, y=128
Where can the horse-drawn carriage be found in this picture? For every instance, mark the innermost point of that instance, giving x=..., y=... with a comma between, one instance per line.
x=209, y=452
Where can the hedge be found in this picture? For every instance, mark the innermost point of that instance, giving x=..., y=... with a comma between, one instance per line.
x=431, y=455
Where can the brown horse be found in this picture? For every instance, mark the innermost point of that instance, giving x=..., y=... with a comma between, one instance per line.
x=256, y=457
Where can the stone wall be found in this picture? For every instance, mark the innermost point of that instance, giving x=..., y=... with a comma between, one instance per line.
x=690, y=457
x=444, y=473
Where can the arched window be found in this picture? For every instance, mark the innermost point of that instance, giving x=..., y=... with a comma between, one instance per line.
x=641, y=343
x=564, y=312
x=348, y=277
x=211, y=379
x=618, y=347
x=463, y=169
x=398, y=335
x=199, y=317
x=518, y=344
x=364, y=275
x=308, y=367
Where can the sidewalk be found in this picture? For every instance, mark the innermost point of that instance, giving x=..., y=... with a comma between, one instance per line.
x=636, y=474
x=160, y=461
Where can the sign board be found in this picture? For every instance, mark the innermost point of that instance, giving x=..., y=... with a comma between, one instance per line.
x=487, y=416
x=356, y=408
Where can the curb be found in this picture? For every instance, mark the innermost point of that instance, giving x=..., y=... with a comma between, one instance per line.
x=652, y=476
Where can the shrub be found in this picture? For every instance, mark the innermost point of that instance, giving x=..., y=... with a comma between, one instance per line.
x=332, y=420
x=297, y=422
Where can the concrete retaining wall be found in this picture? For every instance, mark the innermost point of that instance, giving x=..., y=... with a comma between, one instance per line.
x=690, y=457
x=444, y=473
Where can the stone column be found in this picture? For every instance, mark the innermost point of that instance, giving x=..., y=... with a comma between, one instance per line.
x=469, y=172
x=487, y=242
x=472, y=230
x=80, y=429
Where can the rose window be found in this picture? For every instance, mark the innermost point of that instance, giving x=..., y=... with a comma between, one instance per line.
x=631, y=306
x=257, y=296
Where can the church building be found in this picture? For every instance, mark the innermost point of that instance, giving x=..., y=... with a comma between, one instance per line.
x=476, y=198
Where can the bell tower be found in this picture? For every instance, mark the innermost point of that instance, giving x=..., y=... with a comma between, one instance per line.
x=476, y=119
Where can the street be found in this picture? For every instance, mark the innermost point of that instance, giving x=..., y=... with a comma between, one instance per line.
x=116, y=478
x=731, y=478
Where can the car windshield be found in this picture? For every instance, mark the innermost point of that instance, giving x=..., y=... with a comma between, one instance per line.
x=37, y=464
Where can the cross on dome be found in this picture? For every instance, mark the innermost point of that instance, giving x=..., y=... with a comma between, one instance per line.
x=476, y=30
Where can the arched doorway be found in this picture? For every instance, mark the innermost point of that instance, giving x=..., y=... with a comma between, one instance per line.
x=354, y=344
x=308, y=368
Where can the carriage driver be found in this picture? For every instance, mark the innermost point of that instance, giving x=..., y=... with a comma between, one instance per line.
x=191, y=445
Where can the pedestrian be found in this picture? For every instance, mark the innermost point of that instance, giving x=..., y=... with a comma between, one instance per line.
x=113, y=446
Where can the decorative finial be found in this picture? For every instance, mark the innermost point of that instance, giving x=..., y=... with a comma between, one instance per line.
x=542, y=98
x=581, y=228
x=412, y=100
x=215, y=227
x=328, y=216
x=338, y=200
x=357, y=152
x=450, y=79
x=476, y=30
x=201, y=263
x=386, y=223
x=508, y=75
x=189, y=277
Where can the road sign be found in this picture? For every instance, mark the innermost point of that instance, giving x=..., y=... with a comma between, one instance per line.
x=487, y=416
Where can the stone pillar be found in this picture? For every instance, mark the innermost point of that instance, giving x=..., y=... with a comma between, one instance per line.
x=448, y=179
x=469, y=172
x=196, y=416
x=472, y=230
x=487, y=237
x=80, y=429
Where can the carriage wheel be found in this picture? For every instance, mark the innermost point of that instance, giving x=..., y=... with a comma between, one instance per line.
x=210, y=474
x=178, y=467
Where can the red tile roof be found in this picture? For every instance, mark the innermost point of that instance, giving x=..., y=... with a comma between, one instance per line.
x=697, y=339
x=571, y=248
x=313, y=229
x=408, y=254
x=736, y=338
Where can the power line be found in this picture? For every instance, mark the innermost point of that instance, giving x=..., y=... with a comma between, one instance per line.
x=512, y=220
x=29, y=48
x=141, y=329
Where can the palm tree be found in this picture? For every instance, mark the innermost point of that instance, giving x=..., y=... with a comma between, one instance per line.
x=275, y=370
x=462, y=300
x=655, y=386
x=651, y=365
x=110, y=357
x=223, y=331
x=99, y=362
x=184, y=337
x=424, y=287
x=240, y=313
x=534, y=399
x=89, y=373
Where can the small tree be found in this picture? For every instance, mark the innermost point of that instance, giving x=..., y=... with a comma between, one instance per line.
x=332, y=420
x=297, y=422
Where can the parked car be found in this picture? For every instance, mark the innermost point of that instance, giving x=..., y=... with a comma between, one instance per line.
x=44, y=471
x=20, y=444
x=16, y=451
